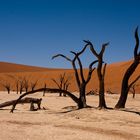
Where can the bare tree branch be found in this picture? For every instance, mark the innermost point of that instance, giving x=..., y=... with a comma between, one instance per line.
x=132, y=83
x=76, y=72
x=56, y=83
x=91, y=47
x=91, y=70
x=103, y=48
x=62, y=56
x=137, y=43
x=104, y=69
x=80, y=65
x=34, y=84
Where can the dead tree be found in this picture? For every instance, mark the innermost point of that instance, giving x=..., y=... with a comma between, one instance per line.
x=26, y=84
x=21, y=85
x=7, y=86
x=45, y=85
x=125, y=82
x=23, y=101
x=110, y=92
x=16, y=79
x=17, y=85
x=100, y=72
x=81, y=82
x=133, y=90
x=66, y=86
x=34, y=84
x=62, y=83
x=80, y=79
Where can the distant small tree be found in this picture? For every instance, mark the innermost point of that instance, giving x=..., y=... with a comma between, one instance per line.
x=45, y=85
x=62, y=83
x=66, y=86
x=34, y=84
x=17, y=85
x=133, y=90
x=7, y=83
x=26, y=84
x=125, y=82
x=21, y=85
x=16, y=80
x=7, y=86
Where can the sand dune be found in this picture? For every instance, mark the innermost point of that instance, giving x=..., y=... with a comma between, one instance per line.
x=114, y=74
x=6, y=67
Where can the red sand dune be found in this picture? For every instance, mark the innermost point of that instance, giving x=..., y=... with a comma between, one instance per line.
x=11, y=67
x=114, y=74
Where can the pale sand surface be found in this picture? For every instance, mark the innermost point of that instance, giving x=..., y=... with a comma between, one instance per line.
x=59, y=123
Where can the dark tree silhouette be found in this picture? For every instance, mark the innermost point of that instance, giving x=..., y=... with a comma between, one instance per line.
x=26, y=84
x=125, y=82
x=62, y=83
x=7, y=86
x=34, y=84
x=133, y=90
x=16, y=80
x=17, y=85
x=21, y=85
x=80, y=79
x=45, y=85
x=66, y=86
x=100, y=72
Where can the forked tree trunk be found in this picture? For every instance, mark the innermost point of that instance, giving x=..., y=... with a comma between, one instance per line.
x=100, y=72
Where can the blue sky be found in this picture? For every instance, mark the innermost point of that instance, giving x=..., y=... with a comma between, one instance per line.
x=32, y=31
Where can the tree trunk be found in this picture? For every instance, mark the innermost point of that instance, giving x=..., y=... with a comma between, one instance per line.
x=8, y=91
x=26, y=89
x=17, y=90
x=60, y=94
x=102, y=103
x=125, y=87
x=82, y=98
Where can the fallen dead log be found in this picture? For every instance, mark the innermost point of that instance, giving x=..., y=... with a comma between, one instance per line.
x=23, y=101
x=50, y=90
